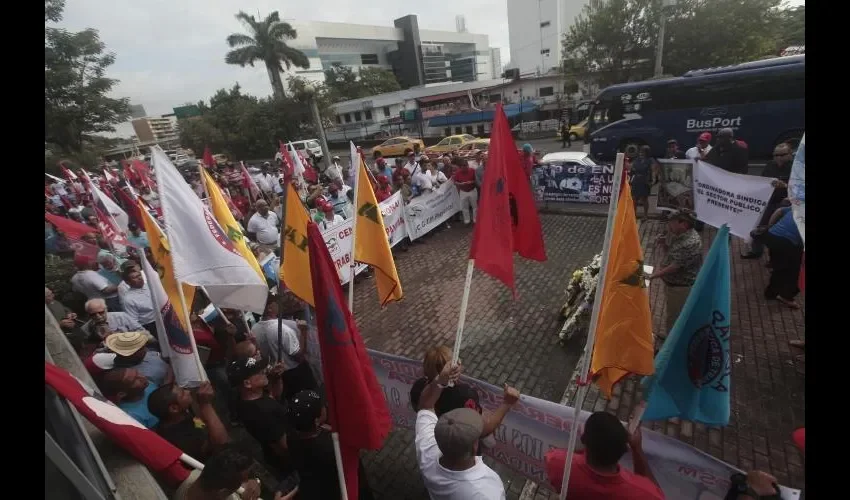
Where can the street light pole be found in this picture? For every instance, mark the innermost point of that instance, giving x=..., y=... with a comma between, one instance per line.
x=317, y=122
x=659, y=49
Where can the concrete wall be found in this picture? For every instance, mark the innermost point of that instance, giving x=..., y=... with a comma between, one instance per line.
x=132, y=480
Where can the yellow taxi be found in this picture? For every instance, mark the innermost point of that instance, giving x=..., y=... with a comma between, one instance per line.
x=450, y=143
x=397, y=146
x=577, y=131
x=472, y=148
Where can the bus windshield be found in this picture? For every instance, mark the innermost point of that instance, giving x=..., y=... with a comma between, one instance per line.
x=762, y=102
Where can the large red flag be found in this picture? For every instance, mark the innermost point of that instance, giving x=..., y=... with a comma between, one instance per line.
x=357, y=409
x=286, y=162
x=145, y=445
x=506, y=202
x=73, y=231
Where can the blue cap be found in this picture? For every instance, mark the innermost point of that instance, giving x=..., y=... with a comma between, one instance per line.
x=527, y=148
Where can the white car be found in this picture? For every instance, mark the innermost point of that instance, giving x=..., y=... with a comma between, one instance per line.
x=311, y=145
x=577, y=157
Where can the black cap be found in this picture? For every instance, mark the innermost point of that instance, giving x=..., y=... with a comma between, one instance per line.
x=304, y=408
x=241, y=369
x=459, y=396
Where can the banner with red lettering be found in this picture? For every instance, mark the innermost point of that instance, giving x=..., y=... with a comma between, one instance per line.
x=392, y=210
x=534, y=426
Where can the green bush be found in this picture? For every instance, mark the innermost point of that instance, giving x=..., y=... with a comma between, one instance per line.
x=57, y=277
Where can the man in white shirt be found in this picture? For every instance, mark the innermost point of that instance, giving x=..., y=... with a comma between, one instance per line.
x=422, y=181
x=93, y=285
x=262, y=227
x=137, y=300
x=412, y=166
x=702, y=148
x=446, y=448
x=265, y=181
x=334, y=170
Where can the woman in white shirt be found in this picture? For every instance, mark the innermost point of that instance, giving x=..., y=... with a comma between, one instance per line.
x=437, y=177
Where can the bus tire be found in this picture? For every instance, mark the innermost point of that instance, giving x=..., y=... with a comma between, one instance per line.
x=630, y=147
x=792, y=138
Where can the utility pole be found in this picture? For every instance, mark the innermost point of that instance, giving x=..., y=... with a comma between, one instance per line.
x=659, y=49
x=317, y=122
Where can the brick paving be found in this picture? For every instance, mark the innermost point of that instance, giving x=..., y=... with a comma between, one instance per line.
x=504, y=339
x=768, y=382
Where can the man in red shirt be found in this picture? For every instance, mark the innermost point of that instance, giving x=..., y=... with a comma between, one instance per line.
x=595, y=472
x=383, y=191
x=464, y=179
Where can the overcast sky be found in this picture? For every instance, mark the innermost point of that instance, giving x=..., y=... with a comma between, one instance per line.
x=169, y=52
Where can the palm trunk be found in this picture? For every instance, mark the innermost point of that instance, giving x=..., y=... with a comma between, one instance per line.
x=276, y=81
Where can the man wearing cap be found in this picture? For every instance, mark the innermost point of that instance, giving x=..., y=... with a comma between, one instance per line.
x=412, y=166
x=702, y=148
x=680, y=266
x=93, y=285
x=334, y=170
x=195, y=435
x=329, y=218
x=672, y=152
x=137, y=237
x=130, y=390
x=383, y=190
x=263, y=225
x=595, y=472
x=129, y=350
x=342, y=205
x=312, y=451
x=259, y=407
x=137, y=300
x=464, y=179
x=727, y=153
x=446, y=448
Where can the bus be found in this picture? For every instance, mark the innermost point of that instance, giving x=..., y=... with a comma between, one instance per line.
x=763, y=102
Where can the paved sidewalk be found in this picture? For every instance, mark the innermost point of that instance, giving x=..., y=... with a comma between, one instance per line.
x=768, y=382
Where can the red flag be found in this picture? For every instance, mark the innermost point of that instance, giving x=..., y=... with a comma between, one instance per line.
x=145, y=445
x=357, y=409
x=249, y=184
x=144, y=173
x=286, y=162
x=73, y=231
x=209, y=162
x=109, y=229
x=506, y=201
x=130, y=206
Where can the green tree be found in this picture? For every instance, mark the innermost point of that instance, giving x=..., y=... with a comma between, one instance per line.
x=76, y=104
x=376, y=81
x=342, y=83
x=614, y=41
x=267, y=43
x=792, y=30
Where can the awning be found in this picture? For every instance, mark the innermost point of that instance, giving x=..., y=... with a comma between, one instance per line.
x=485, y=115
x=440, y=97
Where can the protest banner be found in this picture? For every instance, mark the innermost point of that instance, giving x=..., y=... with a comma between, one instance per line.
x=338, y=240
x=534, y=426
x=571, y=181
x=392, y=210
x=797, y=188
x=676, y=184
x=721, y=197
x=424, y=213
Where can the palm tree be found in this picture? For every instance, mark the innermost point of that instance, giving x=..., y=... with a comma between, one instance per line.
x=266, y=43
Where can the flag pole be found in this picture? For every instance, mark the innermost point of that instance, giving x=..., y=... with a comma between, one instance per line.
x=339, y=472
x=584, y=367
x=464, y=303
x=280, y=284
x=353, y=264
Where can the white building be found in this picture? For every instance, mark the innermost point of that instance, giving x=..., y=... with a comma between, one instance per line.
x=416, y=56
x=536, y=30
x=496, y=62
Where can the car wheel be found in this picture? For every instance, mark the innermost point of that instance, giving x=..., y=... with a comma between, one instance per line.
x=573, y=136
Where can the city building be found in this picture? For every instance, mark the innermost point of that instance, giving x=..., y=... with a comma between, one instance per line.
x=151, y=129
x=416, y=56
x=496, y=62
x=536, y=29
x=137, y=111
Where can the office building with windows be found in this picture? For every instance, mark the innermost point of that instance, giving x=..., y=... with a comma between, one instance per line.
x=536, y=29
x=416, y=56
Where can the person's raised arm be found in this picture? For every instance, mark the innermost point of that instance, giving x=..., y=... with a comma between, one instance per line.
x=639, y=461
x=431, y=392
x=276, y=381
x=206, y=411
x=494, y=420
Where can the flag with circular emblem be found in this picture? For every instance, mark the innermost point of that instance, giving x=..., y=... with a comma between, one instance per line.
x=371, y=243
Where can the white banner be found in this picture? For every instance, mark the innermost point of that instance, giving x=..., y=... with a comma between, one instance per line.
x=426, y=212
x=534, y=426
x=338, y=241
x=797, y=189
x=392, y=210
x=721, y=197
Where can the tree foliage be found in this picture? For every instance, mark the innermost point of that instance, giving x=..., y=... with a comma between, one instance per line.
x=266, y=43
x=76, y=104
x=244, y=126
x=615, y=40
x=343, y=84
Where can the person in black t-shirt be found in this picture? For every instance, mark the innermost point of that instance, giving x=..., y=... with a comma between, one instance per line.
x=312, y=452
x=198, y=435
x=260, y=410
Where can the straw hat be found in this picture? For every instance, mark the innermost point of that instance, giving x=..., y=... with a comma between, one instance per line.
x=126, y=343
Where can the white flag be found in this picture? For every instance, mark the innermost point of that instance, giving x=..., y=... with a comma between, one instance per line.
x=174, y=341
x=297, y=165
x=112, y=208
x=201, y=252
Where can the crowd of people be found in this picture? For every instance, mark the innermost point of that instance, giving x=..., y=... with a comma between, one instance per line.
x=277, y=399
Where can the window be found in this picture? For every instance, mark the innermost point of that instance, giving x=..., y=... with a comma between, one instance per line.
x=446, y=131
x=468, y=137
x=480, y=130
x=368, y=58
x=445, y=141
x=368, y=114
x=386, y=111
x=357, y=117
x=468, y=129
x=544, y=52
x=547, y=91
x=338, y=119
x=455, y=140
x=545, y=24
x=348, y=118
x=494, y=98
x=458, y=130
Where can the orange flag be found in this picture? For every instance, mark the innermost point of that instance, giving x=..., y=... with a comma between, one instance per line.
x=624, y=328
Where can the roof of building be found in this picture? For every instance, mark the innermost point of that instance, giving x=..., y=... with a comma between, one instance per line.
x=400, y=96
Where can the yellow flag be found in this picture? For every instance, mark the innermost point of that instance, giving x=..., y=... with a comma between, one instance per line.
x=624, y=329
x=162, y=262
x=225, y=218
x=295, y=268
x=371, y=244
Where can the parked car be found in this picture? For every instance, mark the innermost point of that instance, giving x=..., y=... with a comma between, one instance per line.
x=307, y=147
x=450, y=143
x=472, y=148
x=397, y=146
x=577, y=131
